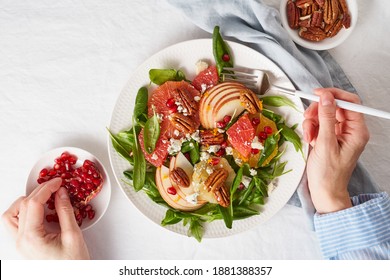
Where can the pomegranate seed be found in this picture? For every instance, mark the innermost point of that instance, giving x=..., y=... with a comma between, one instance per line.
x=83, y=213
x=225, y=57
x=64, y=156
x=220, y=152
x=171, y=190
x=214, y=161
x=263, y=135
x=91, y=214
x=96, y=182
x=241, y=187
x=255, y=151
x=221, y=124
x=43, y=172
x=52, y=172
x=72, y=160
x=224, y=144
x=57, y=166
x=88, y=207
x=41, y=180
x=255, y=121
x=49, y=218
x=171, y=103
x=267, y=129
x=51, y=205
x=227, y=119
x=87, y=163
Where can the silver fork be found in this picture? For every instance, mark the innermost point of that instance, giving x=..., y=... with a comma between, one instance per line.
x=259, y=81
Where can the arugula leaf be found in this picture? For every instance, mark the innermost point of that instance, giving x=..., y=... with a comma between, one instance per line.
x=278, y=101
x=151, y=133
x=269, y=146
x=160, y=76
x=271, y=115
x=226, y=215
x=241, y=212
x=196, y=229
x=290, y=135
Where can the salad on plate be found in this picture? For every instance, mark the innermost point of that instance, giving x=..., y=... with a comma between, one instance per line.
x=206, y=149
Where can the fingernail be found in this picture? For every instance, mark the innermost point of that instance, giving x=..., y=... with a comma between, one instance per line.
x=63, y=193
x=326, y=99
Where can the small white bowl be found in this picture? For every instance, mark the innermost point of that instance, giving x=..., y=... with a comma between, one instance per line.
x=99, y=203
x=327, y=43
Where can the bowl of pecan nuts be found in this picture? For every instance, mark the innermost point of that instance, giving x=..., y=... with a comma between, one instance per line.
x=319, y=24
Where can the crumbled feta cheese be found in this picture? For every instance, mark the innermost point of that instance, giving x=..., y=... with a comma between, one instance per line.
x=221, y=130
x=154, y=156
x=271, y=187
x=214, y=148
x=196, y=136
x=238, y=160
x=246, y=181
x=204, y=156
x=209, y=170
x=200, y=66
x=229, y=151
x=197, y=98
x=176, y=132
x=203, y=88
x=256, y=144
x=192, y=198
x=174, y=146
x=253, y=172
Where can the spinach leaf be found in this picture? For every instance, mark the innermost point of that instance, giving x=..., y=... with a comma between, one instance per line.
x=221, y=51
x=160, y=76
x=139, y=163
x=278, y=101
x=141, y=106
x=151, y=133
x=170, y=218
x=123, y=144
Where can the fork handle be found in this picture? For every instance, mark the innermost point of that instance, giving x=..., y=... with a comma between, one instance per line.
x=340, y=103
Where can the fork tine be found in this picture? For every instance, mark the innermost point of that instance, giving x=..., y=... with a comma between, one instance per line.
x=246, y=82
x=240, y=75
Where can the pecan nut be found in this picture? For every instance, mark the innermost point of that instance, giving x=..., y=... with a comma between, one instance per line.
x=211, y=137
x=320, y=3
x=331, y=11
x=250, y=101
x=222, y=196
x=317, y=18
x=190, y=106
x=304, y=3
x=215, y=184
x=179, y=177
x=216, y=180
x=312, y=34
x=292, y=14
x=334, y=28
x=183, y=123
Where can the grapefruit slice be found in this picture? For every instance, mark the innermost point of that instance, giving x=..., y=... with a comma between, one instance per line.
x=160, y=153
x=206, y=79
x=158, y=103
x=241, y=134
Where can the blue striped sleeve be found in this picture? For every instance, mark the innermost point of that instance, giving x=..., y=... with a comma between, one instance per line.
x=359, y=232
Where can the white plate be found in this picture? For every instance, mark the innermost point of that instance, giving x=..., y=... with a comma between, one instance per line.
x=184, y=56
x=328, y=43
x=99, y=203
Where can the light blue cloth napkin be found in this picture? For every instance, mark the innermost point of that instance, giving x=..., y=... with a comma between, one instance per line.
x=258, y=26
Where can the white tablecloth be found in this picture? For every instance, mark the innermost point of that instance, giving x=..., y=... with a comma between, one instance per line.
x=62, y=66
